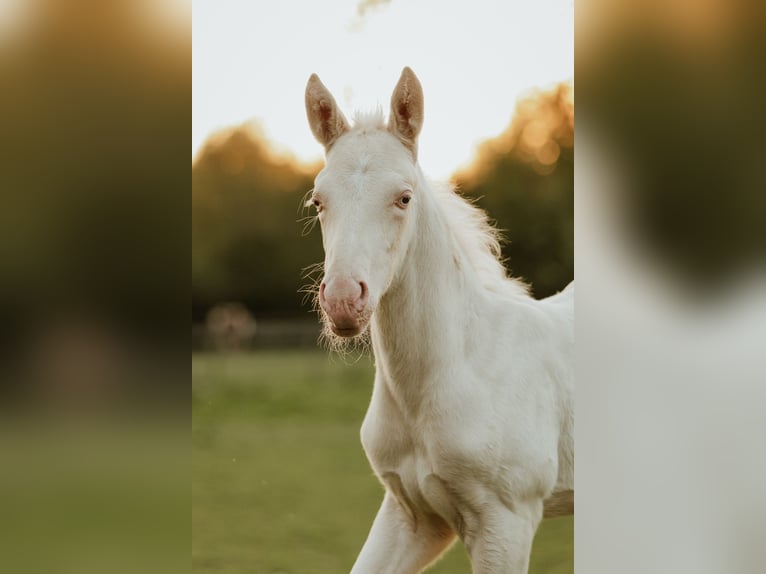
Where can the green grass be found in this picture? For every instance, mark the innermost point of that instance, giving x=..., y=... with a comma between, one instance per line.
x=281, y=484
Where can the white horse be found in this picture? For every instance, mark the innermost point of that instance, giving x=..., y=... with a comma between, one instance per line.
x=470, y=424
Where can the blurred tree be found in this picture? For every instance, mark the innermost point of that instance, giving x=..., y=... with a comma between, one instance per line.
x=684, y=115
x=246, y=238
x=524, y=179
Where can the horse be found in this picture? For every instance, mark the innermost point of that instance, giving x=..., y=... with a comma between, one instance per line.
x=470, y=424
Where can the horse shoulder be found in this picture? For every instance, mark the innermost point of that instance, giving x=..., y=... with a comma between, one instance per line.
x=502, y=415
x=483, y=432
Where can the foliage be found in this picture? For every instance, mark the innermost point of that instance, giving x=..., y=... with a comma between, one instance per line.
x=246, y=235
x=683, y=123
x=524, y=179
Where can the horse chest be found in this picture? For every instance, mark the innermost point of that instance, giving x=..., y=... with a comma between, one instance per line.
x=416, y=464
x=407, y=475
x=450, y=465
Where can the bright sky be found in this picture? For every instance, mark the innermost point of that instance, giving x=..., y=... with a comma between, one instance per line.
x=251, y=61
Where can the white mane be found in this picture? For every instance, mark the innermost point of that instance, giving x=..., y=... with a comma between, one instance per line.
x=479, y=240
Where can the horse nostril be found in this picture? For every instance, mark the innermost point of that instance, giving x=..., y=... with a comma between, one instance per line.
x=321, y=292
x=363, y=296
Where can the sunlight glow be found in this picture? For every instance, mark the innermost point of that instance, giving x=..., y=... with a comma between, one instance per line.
x=251, y=61
x=15, y=16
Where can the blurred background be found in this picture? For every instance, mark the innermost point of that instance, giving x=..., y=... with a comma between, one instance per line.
x=94, y=285
x=670, y=217
x=280, y=480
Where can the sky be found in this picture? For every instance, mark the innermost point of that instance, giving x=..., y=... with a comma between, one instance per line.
x=252, y=58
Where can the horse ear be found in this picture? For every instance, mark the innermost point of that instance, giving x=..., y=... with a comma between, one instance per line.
x=326, y=120
x=407, y=109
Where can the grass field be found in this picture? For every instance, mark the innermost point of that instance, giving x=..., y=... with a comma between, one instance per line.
x=280, y=482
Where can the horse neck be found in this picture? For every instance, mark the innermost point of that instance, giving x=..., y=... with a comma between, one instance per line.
x=422, y=321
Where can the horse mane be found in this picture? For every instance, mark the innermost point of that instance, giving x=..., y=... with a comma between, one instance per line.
x=479, y=240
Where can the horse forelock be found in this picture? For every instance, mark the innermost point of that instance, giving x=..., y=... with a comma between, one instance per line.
x=369, y=120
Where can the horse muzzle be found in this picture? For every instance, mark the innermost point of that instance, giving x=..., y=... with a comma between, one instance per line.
x=345, y=302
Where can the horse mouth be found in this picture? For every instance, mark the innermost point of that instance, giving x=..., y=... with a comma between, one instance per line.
x=347, y=327
x=346, y=331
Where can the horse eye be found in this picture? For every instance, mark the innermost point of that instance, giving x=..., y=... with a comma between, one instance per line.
x=403, y=201
x=317, y=204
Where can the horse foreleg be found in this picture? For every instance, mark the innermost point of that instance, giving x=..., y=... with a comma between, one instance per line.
x=503, y=542
x=400, y=543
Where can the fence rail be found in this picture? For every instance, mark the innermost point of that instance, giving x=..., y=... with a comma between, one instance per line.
x=265, y=333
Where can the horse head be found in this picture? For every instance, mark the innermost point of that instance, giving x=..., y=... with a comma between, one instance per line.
x=366, y=199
